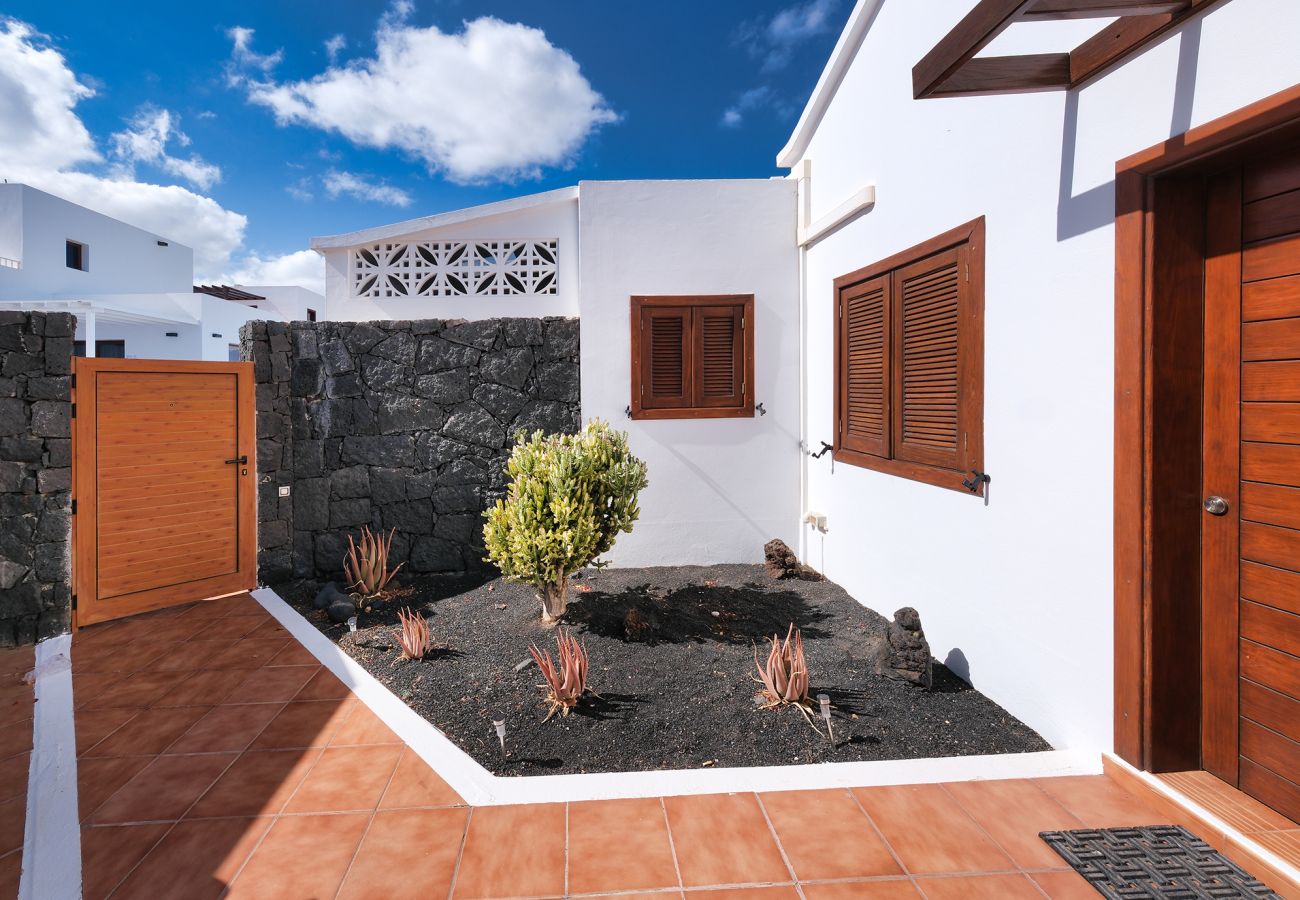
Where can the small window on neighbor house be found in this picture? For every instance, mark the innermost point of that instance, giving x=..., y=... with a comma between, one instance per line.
x=78, y=256
x=909, y=361
x=232, y=352
x=693, y=357
x=311, y=315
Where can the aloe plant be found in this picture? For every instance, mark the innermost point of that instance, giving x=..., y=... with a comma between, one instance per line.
x=365, y=566
x=413, y=636
x=567, y=681
x=785, y=675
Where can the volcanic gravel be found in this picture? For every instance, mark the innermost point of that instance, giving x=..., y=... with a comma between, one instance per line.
x=683, y=694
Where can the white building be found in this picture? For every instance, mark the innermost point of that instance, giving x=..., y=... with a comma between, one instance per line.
x=131, y=290
x=950, y=285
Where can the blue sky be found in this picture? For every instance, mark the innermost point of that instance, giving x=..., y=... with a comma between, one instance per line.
x=250, y=127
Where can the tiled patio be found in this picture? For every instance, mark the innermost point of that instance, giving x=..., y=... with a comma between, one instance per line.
x=216, y=757
x=16, y=702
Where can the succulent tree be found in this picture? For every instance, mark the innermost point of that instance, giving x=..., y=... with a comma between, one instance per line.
x=570, y=496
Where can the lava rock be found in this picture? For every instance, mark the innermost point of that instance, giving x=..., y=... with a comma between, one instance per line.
x=341, y=610
x=780, y=562
x=329, y=595
x=909, y=652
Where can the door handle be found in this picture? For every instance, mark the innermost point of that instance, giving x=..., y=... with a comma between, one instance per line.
x=237, y=461
x=1216, y=506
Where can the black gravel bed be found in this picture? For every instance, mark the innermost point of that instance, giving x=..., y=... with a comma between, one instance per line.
x=680, y=695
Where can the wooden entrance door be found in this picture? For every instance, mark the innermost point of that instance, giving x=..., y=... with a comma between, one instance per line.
x=1251, y=479
x=164, y=484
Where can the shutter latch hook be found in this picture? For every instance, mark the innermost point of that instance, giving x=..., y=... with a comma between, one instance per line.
x=979, y=480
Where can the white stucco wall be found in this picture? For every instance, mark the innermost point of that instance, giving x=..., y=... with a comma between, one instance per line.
x=288, y=302
x=1016, y=592
x=719, y=488
x=122, y=258
x=551, y=221
x=217, y=326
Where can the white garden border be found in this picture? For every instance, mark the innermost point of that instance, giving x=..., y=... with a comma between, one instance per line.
x=480, y=787
x=52, y=831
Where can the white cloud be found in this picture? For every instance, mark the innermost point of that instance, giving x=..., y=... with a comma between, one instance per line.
x=774, y=40
x=302, y=267
x=47, y=145
x=734, y=115
x=145, y=140
x=37, y=95
x=347, y=183
x=244, y=59
x=493, y=101
x=334, y=46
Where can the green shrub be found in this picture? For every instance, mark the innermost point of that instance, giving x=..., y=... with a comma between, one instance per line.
x=570, y=495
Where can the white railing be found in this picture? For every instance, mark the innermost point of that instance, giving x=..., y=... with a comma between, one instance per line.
x=454, y=268
x=7, y=263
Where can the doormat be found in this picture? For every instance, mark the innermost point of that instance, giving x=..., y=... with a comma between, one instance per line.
x=1158, y=861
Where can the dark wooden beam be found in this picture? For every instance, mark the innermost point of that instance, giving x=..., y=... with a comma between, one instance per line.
x=1008, y=75
x=1101, y=9
x=980, y=26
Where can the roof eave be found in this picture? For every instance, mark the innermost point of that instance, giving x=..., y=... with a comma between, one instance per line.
x=442, y=220
x=846, y=48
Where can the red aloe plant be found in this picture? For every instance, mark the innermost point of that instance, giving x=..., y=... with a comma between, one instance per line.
x=365, y=567
x=566, y=683
x=414, y=634
x=785, y=677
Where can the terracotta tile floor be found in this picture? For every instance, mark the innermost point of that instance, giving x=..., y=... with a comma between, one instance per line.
x=216, y=758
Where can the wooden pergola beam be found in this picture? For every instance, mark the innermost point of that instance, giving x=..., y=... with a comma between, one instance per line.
x=969, y=36
x=1008, y=75
x=1101, y=9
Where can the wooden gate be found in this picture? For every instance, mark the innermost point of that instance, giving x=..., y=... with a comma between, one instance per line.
x=164, y=490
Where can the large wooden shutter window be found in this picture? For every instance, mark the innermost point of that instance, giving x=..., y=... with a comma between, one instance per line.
x=692, y=357
x=909, y=361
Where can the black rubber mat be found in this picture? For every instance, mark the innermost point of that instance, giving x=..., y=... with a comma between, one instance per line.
x=1157, y=861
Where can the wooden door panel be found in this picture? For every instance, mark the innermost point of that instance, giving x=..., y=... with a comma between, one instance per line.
x=166, y=511
x=1271, y=627
x=1273, y=299
x=1272, y=176
x=1279, y=588
x=1271, y=504
x=1271, y=422
x=1282, y=713
x=1271, y=381
x=1271, y=788
x=1270, y=544
x=1269, y=749
x=1274, y=339
x=1271, y=463
x=1271, y=259
x=1271, y=217
x=1271, y=668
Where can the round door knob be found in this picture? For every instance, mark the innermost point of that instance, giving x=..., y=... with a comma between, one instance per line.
x=1216, y=506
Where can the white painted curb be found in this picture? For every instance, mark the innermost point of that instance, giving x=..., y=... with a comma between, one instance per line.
x=52, y=833
x=481, y=788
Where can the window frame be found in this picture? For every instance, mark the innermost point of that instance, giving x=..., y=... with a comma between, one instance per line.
x=82, y=255
x=694, y=303
x=970, y=362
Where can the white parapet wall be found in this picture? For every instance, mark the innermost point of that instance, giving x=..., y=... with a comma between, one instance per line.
x=719, y=488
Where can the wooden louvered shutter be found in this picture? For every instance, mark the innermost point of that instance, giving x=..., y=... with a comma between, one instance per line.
x=927, y=401
x=864, y=353
x=666, y=381
x=719, y=356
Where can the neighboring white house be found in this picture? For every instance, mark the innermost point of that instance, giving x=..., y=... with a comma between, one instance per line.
x=131, y=290
x=585, y=251
x=936, y=305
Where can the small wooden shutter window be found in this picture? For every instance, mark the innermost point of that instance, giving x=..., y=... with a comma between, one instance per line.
x=665, y=358
x=909, y=348
x=692, y=357
x=927, y=388
x=864, y=361
x=718, y=356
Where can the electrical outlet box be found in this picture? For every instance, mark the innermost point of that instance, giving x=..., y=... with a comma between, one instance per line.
x=284, y=490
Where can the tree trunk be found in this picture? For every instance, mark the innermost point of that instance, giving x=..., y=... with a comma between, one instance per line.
x=555, y=600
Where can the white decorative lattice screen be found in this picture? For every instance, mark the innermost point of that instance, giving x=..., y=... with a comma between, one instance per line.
x=454, y=268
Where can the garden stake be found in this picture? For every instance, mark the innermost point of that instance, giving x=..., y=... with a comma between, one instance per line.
x=825, y=701
x=500, y=726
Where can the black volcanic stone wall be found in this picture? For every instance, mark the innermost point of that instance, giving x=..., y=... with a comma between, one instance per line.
x=401, y=424
x=35, y=475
